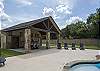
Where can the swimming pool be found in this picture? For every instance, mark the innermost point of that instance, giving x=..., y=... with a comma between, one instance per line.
x=86, y=67
x=89, y=65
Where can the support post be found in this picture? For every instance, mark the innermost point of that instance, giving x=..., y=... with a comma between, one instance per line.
x=40, y=42
x=27, y=40
x=48, y=40
x=58, y=38
x=3, y=40
x=58, y=42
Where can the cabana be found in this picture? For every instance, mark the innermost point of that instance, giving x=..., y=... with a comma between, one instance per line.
x=25, y=34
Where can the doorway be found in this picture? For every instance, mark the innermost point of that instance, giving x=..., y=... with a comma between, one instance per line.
x=15, y=42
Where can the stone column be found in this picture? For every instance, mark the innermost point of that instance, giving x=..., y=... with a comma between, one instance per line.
x=58, y=41
x=3, y=40
x=58, y=38
x=41, y=42
x=27, y=40
x=48, y=40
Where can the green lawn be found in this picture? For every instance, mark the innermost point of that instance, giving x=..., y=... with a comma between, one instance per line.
x=92, y=47
x=9, y=53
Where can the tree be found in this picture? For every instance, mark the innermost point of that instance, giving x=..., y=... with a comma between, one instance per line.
x=75, y=30
x=80, y=29
x=93, y=25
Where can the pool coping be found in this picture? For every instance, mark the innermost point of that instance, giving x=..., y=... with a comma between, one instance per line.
x=73, y=63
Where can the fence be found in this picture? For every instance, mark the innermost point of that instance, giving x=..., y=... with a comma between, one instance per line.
x=92, y=42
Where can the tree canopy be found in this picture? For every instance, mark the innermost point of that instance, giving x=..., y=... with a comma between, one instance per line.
x=81, y=29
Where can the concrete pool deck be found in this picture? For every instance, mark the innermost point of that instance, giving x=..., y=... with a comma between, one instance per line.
x=47, y=60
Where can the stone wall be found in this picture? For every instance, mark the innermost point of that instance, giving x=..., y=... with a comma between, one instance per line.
x=3, y=40
x=7, y=38
x=20, y=35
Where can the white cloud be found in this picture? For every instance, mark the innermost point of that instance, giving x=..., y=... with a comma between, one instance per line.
x=49, y=12
x=1, y=7
x=62, y=26
x=63, y=9
x=73, y=20
x=0, y=25
x=24, y=2
x=69, y=3
x=65, y=6
x=1, y=0
x=3, y=16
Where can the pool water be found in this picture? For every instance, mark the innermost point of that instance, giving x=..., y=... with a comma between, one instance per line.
x=86, y=67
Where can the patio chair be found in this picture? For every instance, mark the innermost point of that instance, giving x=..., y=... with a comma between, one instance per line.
x=58, y=45
x=73, y=46
x=82, y=46
x=2, y=61
x=35, y=45
x=65, y=46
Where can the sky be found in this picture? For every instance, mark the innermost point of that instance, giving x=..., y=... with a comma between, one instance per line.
x=64, y=12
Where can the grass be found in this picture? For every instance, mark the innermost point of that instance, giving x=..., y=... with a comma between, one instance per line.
x=9, y=53
x=92, y=47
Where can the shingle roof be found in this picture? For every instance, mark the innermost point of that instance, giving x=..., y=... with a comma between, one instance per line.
x=25, y=24
x=30, y=23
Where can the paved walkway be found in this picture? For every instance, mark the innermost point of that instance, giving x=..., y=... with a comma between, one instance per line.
x=46, y=60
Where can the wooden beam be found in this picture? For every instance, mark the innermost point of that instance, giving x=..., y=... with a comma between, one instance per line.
x=45, y=25
x=38, y=29
x=54, y=24
x=50, y=27
x=48, y=23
